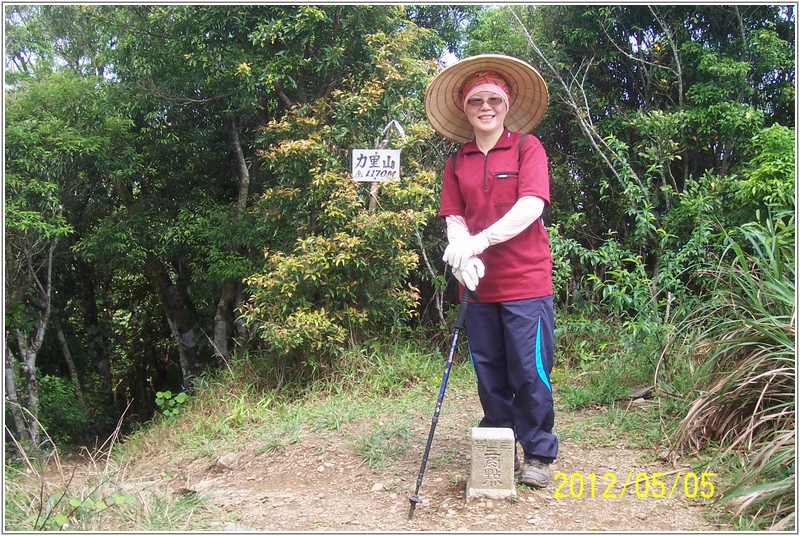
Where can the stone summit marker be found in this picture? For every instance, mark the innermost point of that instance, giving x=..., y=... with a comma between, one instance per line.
x=492, y=464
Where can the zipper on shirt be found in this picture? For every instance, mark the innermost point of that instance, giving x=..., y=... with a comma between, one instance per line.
x=485, y=161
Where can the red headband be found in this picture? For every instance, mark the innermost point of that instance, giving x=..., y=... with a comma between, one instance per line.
x=485, y=81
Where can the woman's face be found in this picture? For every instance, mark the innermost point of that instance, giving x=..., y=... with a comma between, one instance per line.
x=486, y=112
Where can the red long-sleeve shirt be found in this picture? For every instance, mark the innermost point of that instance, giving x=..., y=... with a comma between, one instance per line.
x=482, y=188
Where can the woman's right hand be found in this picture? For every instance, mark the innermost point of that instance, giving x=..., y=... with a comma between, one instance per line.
x=470, y=275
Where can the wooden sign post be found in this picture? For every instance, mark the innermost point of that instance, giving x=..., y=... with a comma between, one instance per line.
x=379, y=164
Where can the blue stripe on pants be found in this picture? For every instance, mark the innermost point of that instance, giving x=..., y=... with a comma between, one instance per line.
x=539, y=363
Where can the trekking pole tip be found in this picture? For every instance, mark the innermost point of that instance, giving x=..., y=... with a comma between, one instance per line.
x=415, y=500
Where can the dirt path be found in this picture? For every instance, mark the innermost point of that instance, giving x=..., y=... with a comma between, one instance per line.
x=321, y=484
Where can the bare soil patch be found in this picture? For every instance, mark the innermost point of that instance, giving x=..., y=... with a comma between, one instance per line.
x=321, y=484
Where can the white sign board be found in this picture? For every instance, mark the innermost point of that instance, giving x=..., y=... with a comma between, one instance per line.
x=376, y=165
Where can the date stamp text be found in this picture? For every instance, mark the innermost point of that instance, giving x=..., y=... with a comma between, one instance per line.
x=656, y=485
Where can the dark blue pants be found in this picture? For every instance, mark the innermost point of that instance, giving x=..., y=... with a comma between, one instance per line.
x=511, y=346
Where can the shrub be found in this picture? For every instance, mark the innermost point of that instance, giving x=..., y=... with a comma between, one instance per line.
x=60, y=413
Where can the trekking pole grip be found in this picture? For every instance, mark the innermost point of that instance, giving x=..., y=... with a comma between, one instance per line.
x=462, y=308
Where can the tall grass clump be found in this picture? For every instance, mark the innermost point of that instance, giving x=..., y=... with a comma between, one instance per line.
x=92, y=492
x=743, y=361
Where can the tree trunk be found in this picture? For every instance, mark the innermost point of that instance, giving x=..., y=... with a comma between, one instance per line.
x=29, y=348
x=11, y=396
x=28, y=352
x=181, y=317
x=73, y=371
x=91, y=321
x=178, y=308
x=224, y=317
x=241, y=169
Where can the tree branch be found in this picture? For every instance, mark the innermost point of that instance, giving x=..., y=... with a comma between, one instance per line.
x=241, y=168
x=678, y=71
x=172, y=99
x=583, y=115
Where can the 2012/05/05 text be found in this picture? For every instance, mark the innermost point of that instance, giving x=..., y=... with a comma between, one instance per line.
x=642, y=485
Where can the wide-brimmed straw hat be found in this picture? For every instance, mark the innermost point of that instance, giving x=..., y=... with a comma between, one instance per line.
x=443, y=103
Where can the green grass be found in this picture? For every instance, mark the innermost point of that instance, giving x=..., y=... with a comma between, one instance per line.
x=743, y=372
x=385, y=441
x=71, y=501
x=396, y=379
x=639, y=427
x=400, y=380
x=333, y=414
x=444, y=457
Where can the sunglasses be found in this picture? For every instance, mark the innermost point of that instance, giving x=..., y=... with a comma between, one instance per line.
x=477, y=102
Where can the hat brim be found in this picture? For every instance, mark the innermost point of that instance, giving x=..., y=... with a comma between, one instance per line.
x=528, y=99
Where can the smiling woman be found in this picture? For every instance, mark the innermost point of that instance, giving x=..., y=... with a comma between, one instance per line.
x=485, y=98
x=494, y=192
x=487, y=119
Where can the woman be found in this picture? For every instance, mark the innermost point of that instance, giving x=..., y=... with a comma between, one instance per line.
x=494, y=192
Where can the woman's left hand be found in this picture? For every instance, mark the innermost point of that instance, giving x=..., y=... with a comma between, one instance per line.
x=458, y=252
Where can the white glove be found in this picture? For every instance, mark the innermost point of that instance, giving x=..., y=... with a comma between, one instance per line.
x=471, y=274
x=458, y=252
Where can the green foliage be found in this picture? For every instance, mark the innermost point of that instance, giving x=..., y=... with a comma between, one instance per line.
x=769, y=176
x=675, y=114
x=59, y=511
x=488, y=35
x=306, y=304
x=619, y=280
x=447, y=23
x=391, y=368
x=45, y=150
x=764, y=493
x=170, y=403
x=225, y=243
x=693, y=110
x=92, y=503
x=332, y=415
x=338, y=271
x=22, y=194
x=59, y=412
x=304, y=32
x=138, y=136
x=745, y=377
x=81, y=509
x=603, y=361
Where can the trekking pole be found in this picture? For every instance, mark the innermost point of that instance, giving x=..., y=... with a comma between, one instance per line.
x=462, y=313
